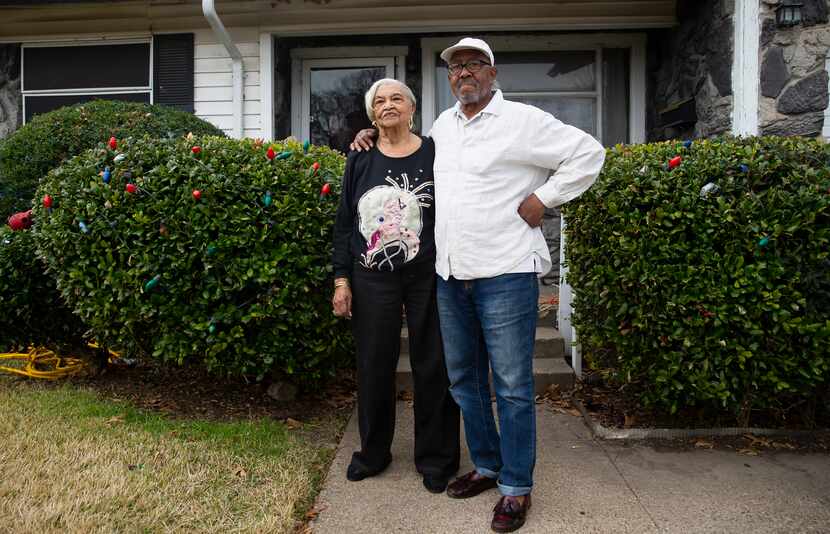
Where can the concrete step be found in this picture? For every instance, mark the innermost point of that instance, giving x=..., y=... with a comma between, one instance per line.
x=549, y=343
x=546, y=371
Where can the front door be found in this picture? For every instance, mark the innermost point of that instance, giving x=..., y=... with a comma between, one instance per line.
x=328, y=101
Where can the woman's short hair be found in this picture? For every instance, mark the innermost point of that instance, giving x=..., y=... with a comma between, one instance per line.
x=370, y=94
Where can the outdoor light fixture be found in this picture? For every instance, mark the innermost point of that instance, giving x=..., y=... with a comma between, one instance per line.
x=788, y=13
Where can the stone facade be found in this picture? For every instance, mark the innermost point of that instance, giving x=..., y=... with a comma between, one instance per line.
x=794, y=78
x=690, y=72
x=11, y=101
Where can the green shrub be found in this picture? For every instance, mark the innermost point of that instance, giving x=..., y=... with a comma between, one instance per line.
x=232, y=279
x=50, y=138
x=33, y=312
x=709, y=297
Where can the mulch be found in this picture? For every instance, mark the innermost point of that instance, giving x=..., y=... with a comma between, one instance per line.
x=616, y=408
x=189, y=392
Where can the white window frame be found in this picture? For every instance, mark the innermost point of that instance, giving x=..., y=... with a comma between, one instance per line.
x=430, y=46
x=147, y=89
x=305, y=59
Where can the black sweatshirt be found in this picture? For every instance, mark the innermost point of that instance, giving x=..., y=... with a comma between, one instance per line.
x=386, y=217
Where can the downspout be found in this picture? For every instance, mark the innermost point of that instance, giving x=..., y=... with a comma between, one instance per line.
x=224, y=37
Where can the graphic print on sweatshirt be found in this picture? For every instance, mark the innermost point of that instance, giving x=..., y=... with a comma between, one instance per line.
x=391, y=220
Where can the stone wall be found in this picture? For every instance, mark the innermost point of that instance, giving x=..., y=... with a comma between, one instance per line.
x=794, y=78
x=11, y=101
x=690, y=72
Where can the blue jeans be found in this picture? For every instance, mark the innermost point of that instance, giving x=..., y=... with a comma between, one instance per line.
x=490, y=323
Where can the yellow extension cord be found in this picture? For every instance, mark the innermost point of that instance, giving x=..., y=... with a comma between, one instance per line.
x=40, y=357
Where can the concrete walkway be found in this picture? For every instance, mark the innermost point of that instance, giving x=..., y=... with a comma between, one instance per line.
x=583, y=485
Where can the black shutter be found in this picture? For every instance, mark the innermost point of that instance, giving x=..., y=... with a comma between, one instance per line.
x=173, y=70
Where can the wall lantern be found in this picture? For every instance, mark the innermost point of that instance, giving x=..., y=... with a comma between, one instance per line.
x=788, y=13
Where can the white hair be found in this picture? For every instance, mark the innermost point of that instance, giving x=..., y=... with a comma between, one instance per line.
x=370, y=94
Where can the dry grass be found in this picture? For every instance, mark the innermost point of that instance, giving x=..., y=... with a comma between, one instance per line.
x=72, y=463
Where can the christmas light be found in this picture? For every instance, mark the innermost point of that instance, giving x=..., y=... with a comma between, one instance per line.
x=119, y=158
x=675, y=162
x=212, y=328
x=107, y=175
x=211, y=250
x=163, y=229
x=266, y=199
x=284, y=155
x=153, y=282
x=20, y=221
x=306, y=145
x=315, y=167
x=325, y=190
x=744, y=167
x=270, y=154
x=84, y=228
x=196, y=150
x=708, y=188
x=687, y=143
x=197, y=195
x=764, y=241
x=131, y=188
x=47, y=201
x=113, y=143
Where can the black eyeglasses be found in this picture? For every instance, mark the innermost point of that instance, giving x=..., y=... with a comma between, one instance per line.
x=471, y=66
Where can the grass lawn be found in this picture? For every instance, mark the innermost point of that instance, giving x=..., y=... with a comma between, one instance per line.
x=73, y=462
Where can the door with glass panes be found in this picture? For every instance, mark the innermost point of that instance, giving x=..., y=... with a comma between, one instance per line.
x=328, y=97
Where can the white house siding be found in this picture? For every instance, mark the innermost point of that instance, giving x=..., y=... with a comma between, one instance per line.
x=213, y=87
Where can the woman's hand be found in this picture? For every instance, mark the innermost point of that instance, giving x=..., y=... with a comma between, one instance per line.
x=364, y=140
x=342, y=302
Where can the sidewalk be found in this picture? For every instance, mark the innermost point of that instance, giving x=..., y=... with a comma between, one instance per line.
x=586, y=486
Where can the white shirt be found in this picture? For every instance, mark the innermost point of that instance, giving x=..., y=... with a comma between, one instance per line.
x=485, y=167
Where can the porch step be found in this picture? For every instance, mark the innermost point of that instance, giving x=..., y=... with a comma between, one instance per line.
x=549, y=366
x=545, y=372
x=549, y=343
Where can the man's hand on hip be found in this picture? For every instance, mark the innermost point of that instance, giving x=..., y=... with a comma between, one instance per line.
x=532, y=211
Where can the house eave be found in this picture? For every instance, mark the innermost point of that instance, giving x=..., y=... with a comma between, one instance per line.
x=37, y=22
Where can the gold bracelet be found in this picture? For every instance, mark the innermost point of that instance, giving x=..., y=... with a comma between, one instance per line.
x=341, y=282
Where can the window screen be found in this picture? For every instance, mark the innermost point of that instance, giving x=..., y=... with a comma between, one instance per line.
x=82, y=67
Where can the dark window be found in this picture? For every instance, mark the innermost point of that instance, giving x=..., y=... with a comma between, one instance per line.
x=41, y=104
x=89, y=66
x=173, y=70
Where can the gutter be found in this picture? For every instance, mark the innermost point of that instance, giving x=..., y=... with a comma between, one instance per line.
x=224, y=37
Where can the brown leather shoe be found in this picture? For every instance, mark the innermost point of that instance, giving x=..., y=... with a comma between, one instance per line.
x=509, y=514
x=469, y=486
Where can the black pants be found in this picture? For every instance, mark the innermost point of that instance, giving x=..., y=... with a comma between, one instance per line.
x=377, y=299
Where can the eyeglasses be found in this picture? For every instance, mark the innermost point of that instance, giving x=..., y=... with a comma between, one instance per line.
x=471, y=66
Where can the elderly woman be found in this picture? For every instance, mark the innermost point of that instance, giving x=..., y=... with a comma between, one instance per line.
x=384, y=260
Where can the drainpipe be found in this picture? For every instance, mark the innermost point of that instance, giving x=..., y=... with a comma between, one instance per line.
x=224, y=37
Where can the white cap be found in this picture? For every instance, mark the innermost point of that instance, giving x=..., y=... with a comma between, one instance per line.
x=468, y=43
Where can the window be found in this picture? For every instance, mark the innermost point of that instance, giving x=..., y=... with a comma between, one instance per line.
x=563, y=83
x=157, y=70
x=595, y=82
x=56, y=75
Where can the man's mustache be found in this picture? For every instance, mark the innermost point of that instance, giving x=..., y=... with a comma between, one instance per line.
x=462, y=83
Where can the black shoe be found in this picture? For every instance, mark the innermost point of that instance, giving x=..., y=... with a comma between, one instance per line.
x=435, y=484
x=470, y=485
x=357, y=472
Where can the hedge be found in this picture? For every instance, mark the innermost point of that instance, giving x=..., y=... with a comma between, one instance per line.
x=48, y=139
x=209, y=249
x=700, y=271
x=33, y=313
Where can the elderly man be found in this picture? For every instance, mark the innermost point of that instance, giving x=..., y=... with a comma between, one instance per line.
x=498, y=165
